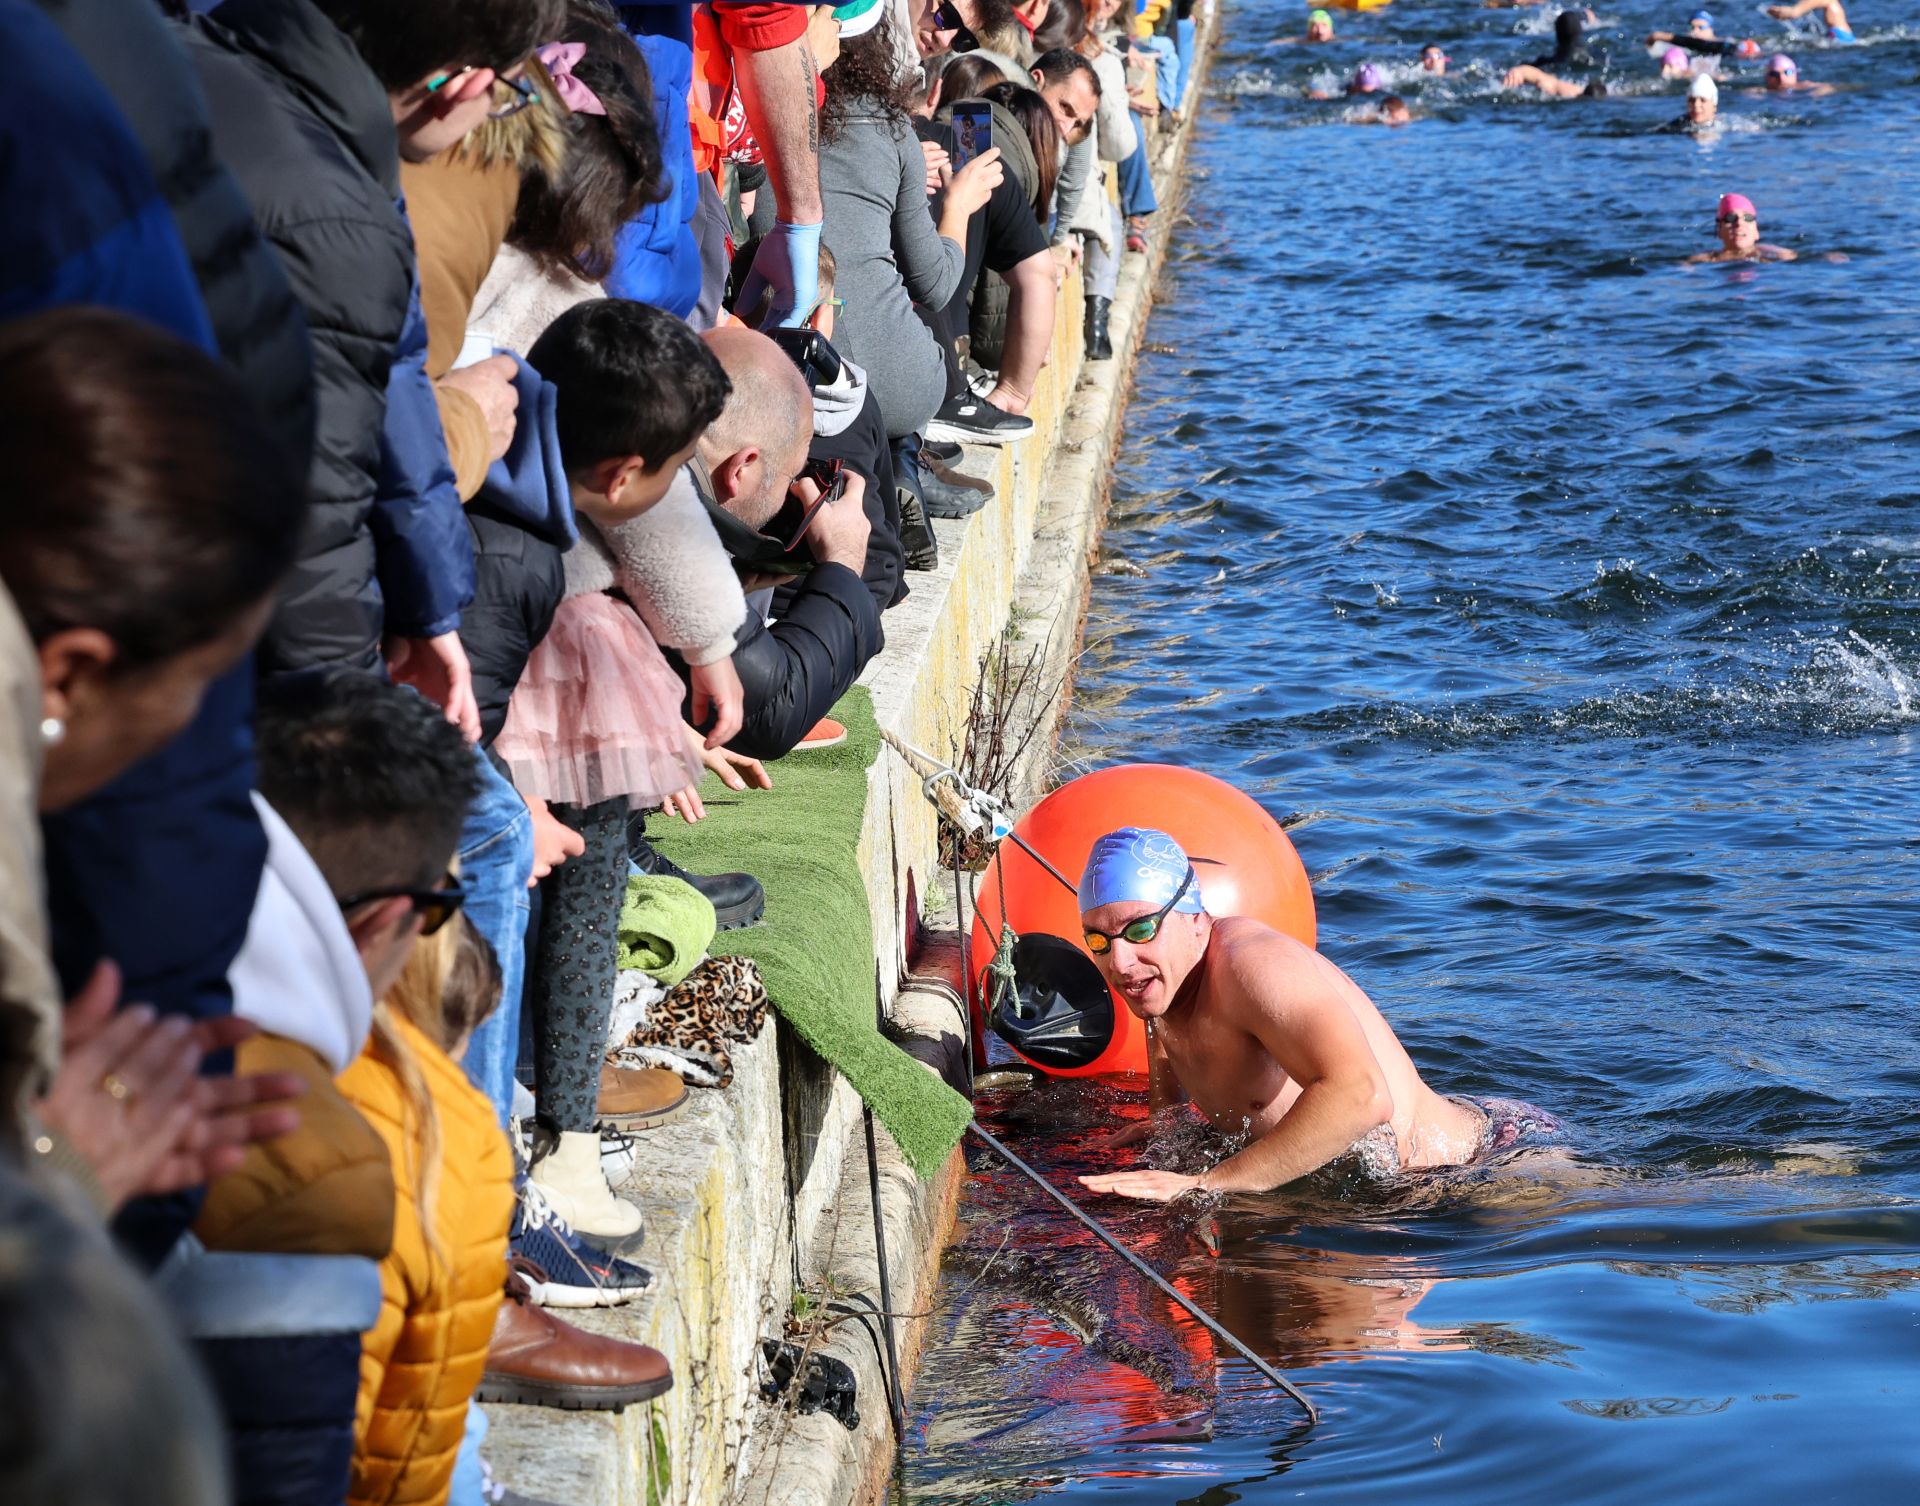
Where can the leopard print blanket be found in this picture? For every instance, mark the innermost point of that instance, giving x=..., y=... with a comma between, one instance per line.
x=722, y=1002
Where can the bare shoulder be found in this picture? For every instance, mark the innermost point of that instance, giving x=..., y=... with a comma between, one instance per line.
x=1264, y=966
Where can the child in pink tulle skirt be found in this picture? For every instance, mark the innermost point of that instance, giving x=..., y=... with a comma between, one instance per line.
x=596, y=715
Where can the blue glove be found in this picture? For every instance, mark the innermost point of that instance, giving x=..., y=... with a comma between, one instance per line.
x=788, y=261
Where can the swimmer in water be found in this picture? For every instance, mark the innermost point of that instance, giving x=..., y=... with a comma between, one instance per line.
x=1707, y=47
x=1393, y=112
x=1703, y=106
x=1366, y=79
x=1783, y=77
x=1700, y=24
x=1526, y=75
x=1738, y=225
x=1265, y=1036
x=1434, y=60
x=1319, y=29
x=1675, y=64
x=1831, y=11
x=1570, y=48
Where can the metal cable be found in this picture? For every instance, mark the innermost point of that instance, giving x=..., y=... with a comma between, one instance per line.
x=1199, y=1315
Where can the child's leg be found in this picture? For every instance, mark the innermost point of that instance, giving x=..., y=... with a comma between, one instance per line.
x=575, y=964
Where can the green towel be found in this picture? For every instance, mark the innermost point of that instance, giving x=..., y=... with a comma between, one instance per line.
x=666, y=926
x=815, y=947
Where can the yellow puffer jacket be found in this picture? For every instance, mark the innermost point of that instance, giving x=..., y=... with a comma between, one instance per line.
x=421, y=1363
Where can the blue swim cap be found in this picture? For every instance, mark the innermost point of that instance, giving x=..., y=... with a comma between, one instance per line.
x=1137, y=865
x=1701, y=15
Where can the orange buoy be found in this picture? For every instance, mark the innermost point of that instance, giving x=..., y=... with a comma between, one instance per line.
x=1245, y=865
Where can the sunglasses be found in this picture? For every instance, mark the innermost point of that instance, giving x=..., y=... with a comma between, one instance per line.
x=524, y=94
x=1739, y=219
x=831, y=477
x=435, y=907
x=1138, y=932
x=946, y=17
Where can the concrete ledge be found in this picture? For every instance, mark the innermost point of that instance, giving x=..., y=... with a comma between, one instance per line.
x=762, y=1189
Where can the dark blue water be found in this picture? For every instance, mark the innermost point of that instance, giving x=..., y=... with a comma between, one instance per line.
x=1568, y=604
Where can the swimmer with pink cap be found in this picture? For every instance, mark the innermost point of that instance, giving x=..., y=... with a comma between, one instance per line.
x=1738, y=224
x=1783, y=77
x=1675, y=64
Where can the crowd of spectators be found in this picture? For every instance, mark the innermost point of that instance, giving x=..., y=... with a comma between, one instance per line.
x=442, y=433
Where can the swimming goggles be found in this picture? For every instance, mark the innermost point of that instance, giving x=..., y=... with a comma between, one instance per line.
x=1739, y=219
x=1138, y=932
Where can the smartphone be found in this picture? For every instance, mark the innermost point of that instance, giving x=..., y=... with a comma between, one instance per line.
x=972, y=131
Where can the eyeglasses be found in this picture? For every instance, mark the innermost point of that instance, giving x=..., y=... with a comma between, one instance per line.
x=1739, y=219
x=831, y=477
x=1138, y=932
x=524, y=94
x=435, y=907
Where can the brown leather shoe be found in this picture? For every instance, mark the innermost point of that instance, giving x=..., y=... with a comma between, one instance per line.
x=536, y=1360
x=640, y=1097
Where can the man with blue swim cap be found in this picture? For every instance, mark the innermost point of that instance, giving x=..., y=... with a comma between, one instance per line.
x=1264, y=1035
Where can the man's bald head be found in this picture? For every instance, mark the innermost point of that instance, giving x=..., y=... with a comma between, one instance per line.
x=759, y=442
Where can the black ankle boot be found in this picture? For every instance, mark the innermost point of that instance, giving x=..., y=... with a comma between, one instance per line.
x=916, y=533
x=1099, y=340
x=737, y=898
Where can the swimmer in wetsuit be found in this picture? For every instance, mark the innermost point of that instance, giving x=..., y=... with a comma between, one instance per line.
x=1265, y=1036
x=1703, y=106
x=1831, y=11
x=1738, y=224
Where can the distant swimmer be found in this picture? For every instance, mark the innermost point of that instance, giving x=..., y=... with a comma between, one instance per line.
x=1783, y=77
x=1830, y=11
x=1265, y=1037
x=1700, y=24
x=1707, y=47
x=1570, y=48
x=1528, y=76
x=1367, y=79
x=1703, y=105
x=1434, y=60
x=1319, y=29
x=1738, y=224
x=1676, y=64
x=1393, y=112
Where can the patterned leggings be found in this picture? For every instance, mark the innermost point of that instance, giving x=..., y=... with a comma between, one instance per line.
x=574, y=964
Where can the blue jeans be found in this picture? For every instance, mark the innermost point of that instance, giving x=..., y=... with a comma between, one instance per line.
x=496, y=860
x=1183, y=32
x=1136, y=178
x=1166, y=71
x=467, y=1487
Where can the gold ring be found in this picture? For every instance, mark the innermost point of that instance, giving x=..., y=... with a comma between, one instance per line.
x=115, y=1088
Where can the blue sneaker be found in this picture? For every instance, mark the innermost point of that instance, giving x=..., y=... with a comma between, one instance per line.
x=577, y=1274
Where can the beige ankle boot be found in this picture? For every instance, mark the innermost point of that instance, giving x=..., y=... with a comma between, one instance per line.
x=567, y=1170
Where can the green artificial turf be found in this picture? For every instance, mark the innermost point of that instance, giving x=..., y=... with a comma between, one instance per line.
x=815, y=944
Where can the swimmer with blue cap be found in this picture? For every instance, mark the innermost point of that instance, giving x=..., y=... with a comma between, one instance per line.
x=1267, y=1038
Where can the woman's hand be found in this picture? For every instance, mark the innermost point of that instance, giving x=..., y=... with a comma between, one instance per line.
x=969, y=189
x=129, y=1101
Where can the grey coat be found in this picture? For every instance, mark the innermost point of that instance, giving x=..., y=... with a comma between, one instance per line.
x=890, y=256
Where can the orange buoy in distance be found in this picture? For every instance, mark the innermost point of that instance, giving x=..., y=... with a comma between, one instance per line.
x=1243, y=860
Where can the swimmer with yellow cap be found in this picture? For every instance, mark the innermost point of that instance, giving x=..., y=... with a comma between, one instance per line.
x=1264, y=1036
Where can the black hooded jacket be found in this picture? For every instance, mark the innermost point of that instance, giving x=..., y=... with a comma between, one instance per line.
x=306, y=128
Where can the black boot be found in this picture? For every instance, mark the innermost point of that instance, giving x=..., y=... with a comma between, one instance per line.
x=1099, y=341
x=737, y=898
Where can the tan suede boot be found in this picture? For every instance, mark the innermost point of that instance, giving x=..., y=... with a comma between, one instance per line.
x=567, y=1169
x=637, y=1098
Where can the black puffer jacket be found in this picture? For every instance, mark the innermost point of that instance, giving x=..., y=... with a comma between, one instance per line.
x=262, y=333
x=306, y=128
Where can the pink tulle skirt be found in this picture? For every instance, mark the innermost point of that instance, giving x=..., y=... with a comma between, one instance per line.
x=596, y=715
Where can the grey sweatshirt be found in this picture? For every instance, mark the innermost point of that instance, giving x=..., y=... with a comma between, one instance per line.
x=874, y=182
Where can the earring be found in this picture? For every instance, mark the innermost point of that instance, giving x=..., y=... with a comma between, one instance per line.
x=52, y=730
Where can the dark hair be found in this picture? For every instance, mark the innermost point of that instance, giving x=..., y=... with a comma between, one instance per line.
x=631, y=380
x=403, y=41
x=372, y=778
x=1063, y=26
x=613, y=167
x=1030, y=109
x=968, y=76
x=1061, y=63
x=1392, y=102
x=868, y=75
x=145, y=496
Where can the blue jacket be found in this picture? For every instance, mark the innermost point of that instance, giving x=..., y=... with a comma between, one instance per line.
x=657, y=255
x=419, y=528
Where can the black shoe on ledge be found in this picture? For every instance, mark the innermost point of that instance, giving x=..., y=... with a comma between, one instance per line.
x=974, y=420
x=737, y=898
